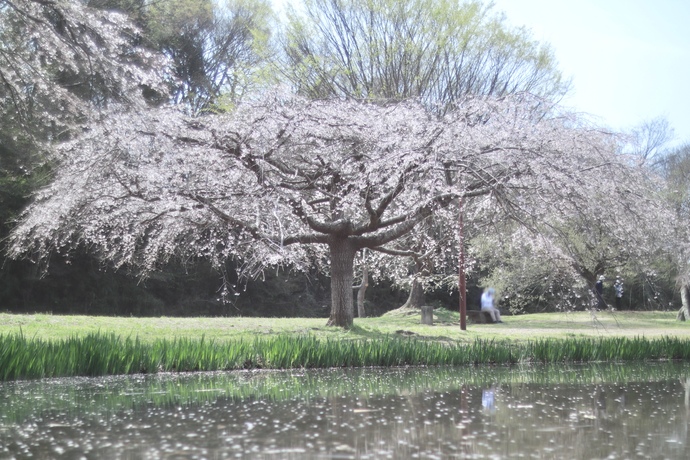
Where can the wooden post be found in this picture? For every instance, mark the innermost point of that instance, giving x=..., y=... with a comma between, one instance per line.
x=427, y=314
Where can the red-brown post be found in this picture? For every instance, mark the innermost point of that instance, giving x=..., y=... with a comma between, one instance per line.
x=462, y=288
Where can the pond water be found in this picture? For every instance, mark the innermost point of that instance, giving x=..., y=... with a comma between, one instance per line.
x=591, y=411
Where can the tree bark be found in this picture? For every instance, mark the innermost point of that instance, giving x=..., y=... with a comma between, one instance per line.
x=361, y=313
x=342, y=264
x=416, y=297
x=684, y=312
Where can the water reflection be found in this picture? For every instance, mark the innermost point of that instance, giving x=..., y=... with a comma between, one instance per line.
x=611, y=411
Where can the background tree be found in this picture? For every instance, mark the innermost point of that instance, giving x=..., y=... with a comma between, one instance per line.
x=289, y=181
x=218, y=50
x=584, y=247
x=438, y=51
x=650, y=140
x=554, y=267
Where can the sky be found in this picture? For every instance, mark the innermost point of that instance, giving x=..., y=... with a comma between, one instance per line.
x=629, y=60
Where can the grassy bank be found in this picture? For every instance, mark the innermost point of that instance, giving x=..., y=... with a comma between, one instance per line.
x=397, y=323
x=38, y=346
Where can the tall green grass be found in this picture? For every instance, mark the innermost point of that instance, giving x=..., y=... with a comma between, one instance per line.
x=107, y=354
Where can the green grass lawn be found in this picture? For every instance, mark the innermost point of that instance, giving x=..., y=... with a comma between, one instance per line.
x=40, y=346
x=399, y=322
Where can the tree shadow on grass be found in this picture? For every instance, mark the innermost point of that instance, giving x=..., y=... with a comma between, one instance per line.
x=360, y=332
x=365, y=333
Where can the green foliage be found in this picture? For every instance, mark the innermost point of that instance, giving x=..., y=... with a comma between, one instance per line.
x=526, y=280
x=219, y=50
x=609, y=349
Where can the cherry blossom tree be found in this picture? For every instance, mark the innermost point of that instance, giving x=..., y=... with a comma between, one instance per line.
x=60, y=60
x=61, y=65
x=287, y=181
x=435, y=50
x=558, y=262
x=555, y=267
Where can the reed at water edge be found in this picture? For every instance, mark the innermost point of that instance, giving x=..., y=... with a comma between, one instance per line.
x=100, y=354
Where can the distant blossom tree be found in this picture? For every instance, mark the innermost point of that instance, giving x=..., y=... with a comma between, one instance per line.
x=286, y=180
x=675, y=167
x=560, y=270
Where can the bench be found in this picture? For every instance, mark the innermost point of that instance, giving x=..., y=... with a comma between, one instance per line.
x=479, y=317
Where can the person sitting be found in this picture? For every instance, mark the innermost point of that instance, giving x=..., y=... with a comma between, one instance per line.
x=488, y=305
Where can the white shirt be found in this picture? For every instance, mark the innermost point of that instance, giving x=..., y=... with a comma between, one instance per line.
x=487, y=301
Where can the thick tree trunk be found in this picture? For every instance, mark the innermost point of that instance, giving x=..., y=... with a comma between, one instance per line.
x=416, y=297
x=684, y=312
x=342, y=263
x=361, y=313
